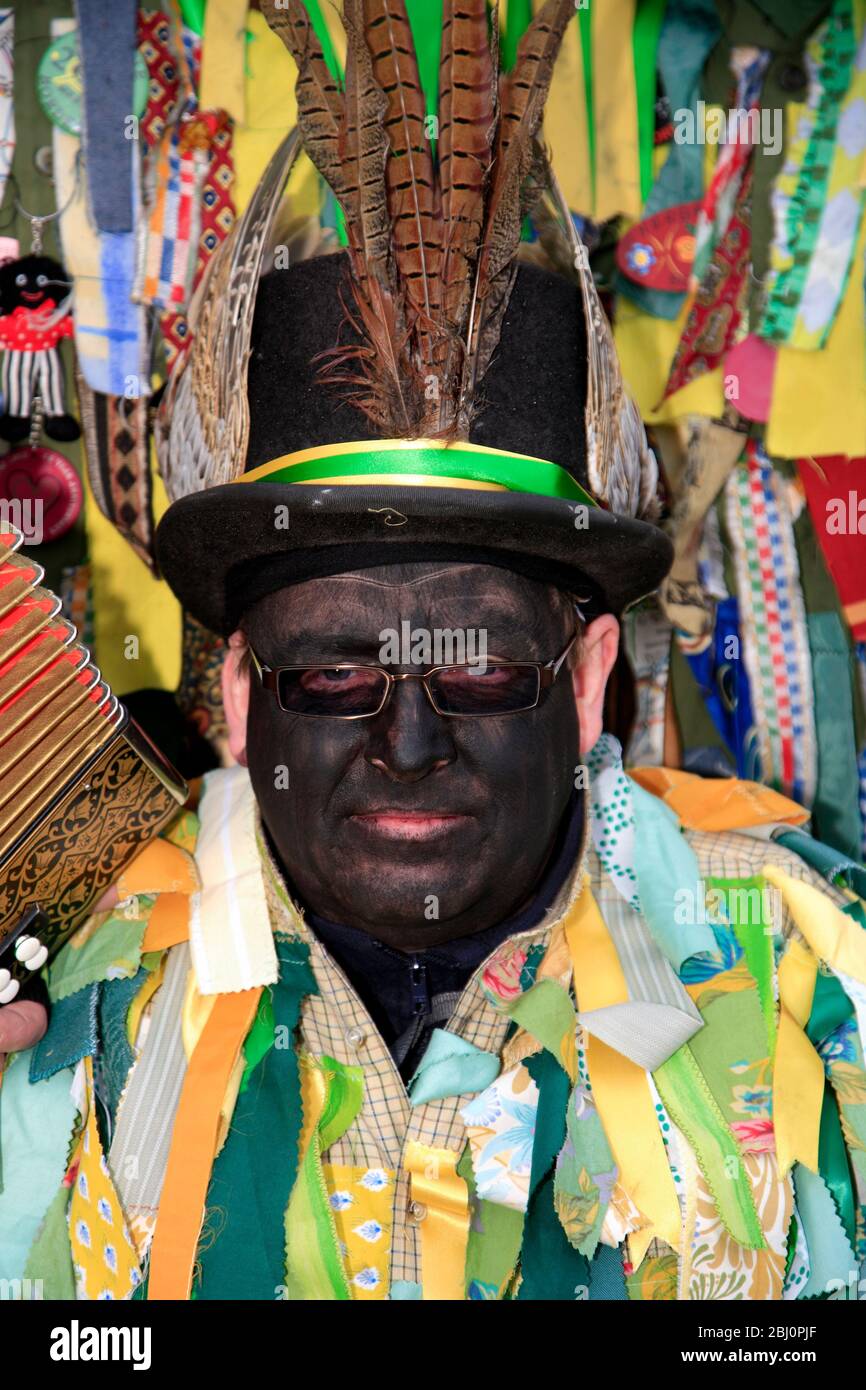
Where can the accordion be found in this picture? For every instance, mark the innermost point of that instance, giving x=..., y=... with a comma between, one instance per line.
x=82, y=788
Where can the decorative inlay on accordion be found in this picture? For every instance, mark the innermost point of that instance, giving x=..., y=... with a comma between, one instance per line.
x=82, y=788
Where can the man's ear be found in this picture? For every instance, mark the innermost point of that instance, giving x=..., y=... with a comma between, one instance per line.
x=236, y=695
x=597, y=656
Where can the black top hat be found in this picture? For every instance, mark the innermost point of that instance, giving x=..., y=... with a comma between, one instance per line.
x=318, y=496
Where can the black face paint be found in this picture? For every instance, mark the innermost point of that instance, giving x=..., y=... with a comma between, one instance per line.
x=413, y=827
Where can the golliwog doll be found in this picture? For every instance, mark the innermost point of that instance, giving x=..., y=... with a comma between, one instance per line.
x=34, y=318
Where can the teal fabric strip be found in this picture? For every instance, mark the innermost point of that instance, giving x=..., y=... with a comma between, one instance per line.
x=690, y=30
x=551, y=1269
x=830, y=863
x=451, y=1067
x=607, y=1275
x=242, y=1252
x=71, y=1034
x=404, y=1291
x=830, y=1254
x=116, y=1055
x=836, y=810
x=833, y=1164
x=36, y=1124
x=666, y=867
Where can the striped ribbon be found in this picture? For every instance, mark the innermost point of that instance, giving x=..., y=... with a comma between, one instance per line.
x=773, y=625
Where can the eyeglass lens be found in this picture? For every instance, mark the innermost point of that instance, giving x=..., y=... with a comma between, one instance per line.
x=344, y=691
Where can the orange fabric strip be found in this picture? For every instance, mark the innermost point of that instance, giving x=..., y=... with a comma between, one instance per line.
x=720, y=803
x=168, y=923
x=193, y=1144
x=161, y=867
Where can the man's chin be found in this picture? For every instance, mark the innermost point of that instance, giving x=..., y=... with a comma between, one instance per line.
x=408, y=896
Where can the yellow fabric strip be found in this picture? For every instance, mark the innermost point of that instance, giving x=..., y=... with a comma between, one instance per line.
x=834, y=937
x=271, y=112
x=614, y=99
x=402, y=480
x=565, y=124
x=818, y=405
x=104, y=1256
x=444, y=1223
x=370, y=1207
x=620, y=1088
x=223, y=54
x=798, y=1073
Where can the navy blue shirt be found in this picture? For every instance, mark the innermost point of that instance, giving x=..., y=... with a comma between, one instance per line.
x=409, y=993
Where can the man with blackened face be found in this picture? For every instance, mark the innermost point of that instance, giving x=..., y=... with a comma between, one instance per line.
x=427, y=812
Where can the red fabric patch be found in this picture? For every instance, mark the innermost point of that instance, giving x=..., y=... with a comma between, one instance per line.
x=836, y=497
x=717, y=311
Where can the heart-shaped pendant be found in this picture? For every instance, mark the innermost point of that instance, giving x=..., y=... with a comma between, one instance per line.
x=40, y=493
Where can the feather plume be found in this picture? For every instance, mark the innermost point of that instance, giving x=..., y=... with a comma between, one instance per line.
x=380, y=372
x=412, y=192
x=523, y=93
x=432, y=248
x=320, y=101
x=615, y=436
x=467, y=123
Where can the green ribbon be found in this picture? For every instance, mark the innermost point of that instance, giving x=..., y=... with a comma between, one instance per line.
x=425, y=21
x=744, y=900
x=546, y=1011
x=645, y=41
x=517, y=20
x=694, y=1110
x=314, y=1265
x=584, y=24
x=493, y=1249
x=507, y=470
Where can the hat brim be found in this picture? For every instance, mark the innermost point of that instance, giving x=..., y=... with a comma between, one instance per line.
x=224, y=548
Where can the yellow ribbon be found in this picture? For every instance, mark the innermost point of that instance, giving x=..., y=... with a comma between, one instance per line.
x=833, y=936
x=798, y=1073
x=442, y=1212
x=620, y=1088
x=222, y=83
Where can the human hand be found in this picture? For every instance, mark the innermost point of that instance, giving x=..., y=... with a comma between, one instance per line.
x=22, y=1021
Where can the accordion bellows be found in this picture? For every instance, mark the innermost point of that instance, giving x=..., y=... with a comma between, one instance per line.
x=82, y=788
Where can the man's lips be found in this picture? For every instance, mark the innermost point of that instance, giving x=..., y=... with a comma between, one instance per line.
x=409, y=825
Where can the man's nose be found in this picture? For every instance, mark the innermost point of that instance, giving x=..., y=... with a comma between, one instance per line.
x=409, y=740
